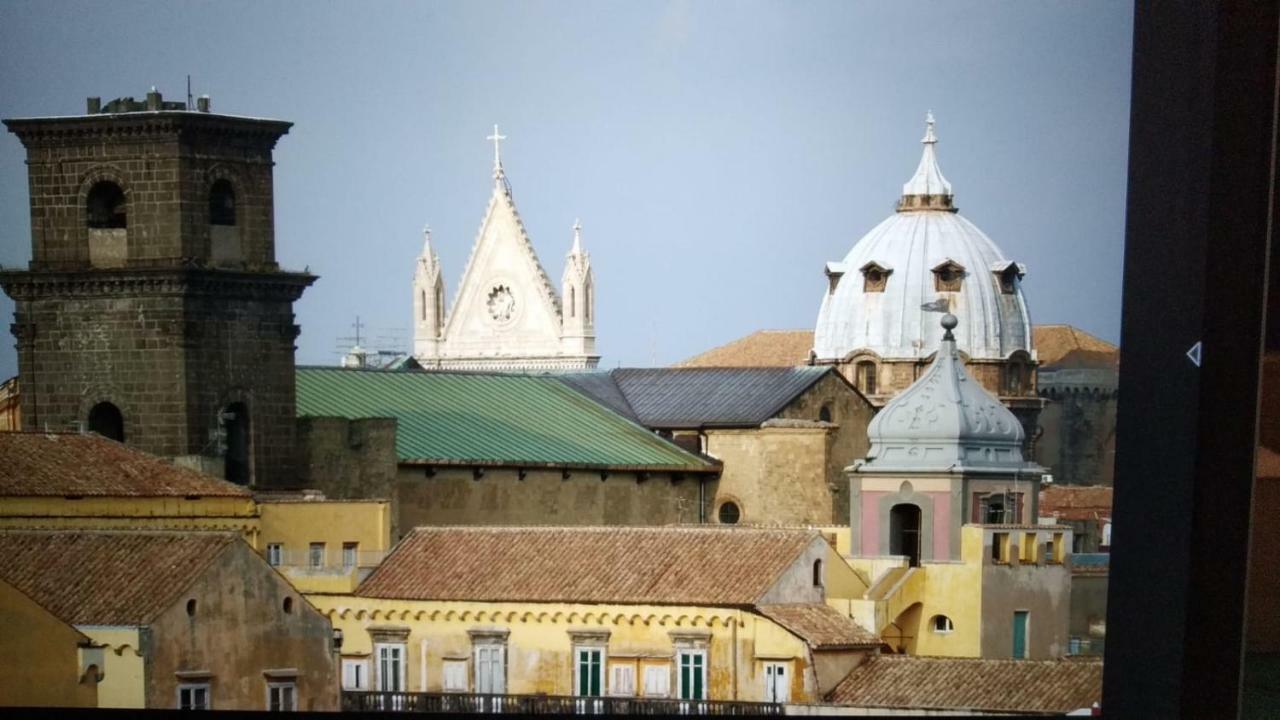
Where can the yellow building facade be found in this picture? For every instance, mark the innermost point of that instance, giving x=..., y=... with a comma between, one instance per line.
x=320, y=545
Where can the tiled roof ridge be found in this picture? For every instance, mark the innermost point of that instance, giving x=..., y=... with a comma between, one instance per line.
x=614, y=528
x=229, y=534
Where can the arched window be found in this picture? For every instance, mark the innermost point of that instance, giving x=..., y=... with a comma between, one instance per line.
x=587, y=296
x=439, y=305
x=904, y=532
x=235, y=423
x=573, y=301
x=222, y=203
x=422, y=305
x=106, y=420
x=942, y=624
x=818, y=579
x=866, y=377
x=1015, y=378
x=824, y=414
x=729, y=513
x=106, y=206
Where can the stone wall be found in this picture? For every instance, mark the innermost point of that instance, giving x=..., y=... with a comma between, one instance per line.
x=136, y=320
x=775, y=475
x=455, y=496
x=349, y=459
x=1078, y=442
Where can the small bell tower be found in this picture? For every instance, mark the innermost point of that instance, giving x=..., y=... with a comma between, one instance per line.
x=428, y=301
x=578, y=334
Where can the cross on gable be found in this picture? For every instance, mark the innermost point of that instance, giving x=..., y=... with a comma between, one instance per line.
x=497, y=150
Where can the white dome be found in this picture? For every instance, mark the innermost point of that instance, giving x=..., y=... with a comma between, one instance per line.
x=924, y=237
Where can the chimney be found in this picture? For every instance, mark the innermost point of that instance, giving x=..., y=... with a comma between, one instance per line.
x=94, y=105
x=202, y=103
x=153, y=99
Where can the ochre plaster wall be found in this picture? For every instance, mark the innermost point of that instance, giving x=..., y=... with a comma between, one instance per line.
x=539, y=644
x=125, y=682
x=294, y=525
x=40, y=665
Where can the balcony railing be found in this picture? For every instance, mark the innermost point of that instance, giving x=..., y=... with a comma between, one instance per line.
x=545, y=704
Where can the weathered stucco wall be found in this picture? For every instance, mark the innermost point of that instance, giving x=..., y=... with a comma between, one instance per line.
x=40, y=665
x=238, y=630
x=454, y=496
x=1043, y=589
x=349, y=459
x=539, y=643
x=1078, y=442
x=774, y=474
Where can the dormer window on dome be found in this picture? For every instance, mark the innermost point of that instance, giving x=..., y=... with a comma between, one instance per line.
x=947, y=276
x=874, y=277
x=1008, y=274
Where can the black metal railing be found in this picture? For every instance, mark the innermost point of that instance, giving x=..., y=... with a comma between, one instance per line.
x=470, y=703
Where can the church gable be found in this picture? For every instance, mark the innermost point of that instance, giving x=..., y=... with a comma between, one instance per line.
x=506, y=304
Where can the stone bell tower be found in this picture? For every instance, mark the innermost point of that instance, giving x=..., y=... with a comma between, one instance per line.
x=153, y=310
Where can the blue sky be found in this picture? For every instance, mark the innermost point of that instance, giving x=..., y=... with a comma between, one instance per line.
x=717, y=153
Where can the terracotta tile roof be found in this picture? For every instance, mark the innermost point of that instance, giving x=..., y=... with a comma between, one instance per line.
x=1067, y=346
x=650, y=565
x=820, y=625
x=763, y=348
x=106, y=578
x=927, y=683
x=59, y=464
x=1075, y=502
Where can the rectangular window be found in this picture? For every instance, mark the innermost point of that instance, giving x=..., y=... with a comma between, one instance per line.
x=350, y=552
x=1028, y=554
x=282, y=697
x=1059, y=548
x=355, y=674
x=275, y=554
x=693, y=675
x=455, y=676
x=315, y=555
x=194, y=696
x=622, y=679
x=1021, y=618
x=1000, y=547
x=777, y=683
x=588, y=672
x=657, y=681
x=391, y=667
x=491, y=675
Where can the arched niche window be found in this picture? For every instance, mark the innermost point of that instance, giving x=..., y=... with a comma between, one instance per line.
x=222, y=203
x=573, y=301
x=947, y=276
x=1015, y=377
x=729, y=513
x=942, y=624
x=865, y=376
x=107, y=209
x=422, y=305
x=824, y=413
x=588, y=295
x=105, y=419
x=904, y=532
x=235, y=426
x=439, y=304
x=818, y=579
x=875, y=277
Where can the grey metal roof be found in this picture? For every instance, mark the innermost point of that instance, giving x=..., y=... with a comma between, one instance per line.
x=700, y=397
x=600, y=386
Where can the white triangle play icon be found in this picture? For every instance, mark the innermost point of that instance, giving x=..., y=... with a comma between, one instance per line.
x=1194, y=354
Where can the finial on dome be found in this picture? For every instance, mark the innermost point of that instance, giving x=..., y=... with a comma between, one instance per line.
x=927, y=189
x=929, y=136
x=949, y=323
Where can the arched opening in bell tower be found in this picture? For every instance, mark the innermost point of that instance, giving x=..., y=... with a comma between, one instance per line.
x=904, y=532
x=235, y=426
x=106, y=420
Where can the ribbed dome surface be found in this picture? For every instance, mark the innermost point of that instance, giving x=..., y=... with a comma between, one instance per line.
x=921, y=238
x=946, y=420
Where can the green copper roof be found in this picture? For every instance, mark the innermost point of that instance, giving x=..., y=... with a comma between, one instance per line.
x=473, y=418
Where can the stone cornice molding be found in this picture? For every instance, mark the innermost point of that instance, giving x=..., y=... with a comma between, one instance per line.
x=266, y=286
x=39, y=132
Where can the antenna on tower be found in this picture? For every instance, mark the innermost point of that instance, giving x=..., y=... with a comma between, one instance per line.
x=188, y=91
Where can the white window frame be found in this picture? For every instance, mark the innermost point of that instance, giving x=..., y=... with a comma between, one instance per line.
x=706, y=692
x=948, y=628
x=773, y=693
x=193, y=688
x=402, y=678
x=658, y=671
x=577, y=669
x=361, y=666
x=619, y=689
x=311, y=555
x=280, y=686
x=448, y=671
x=498, y=654
x=275, y=554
